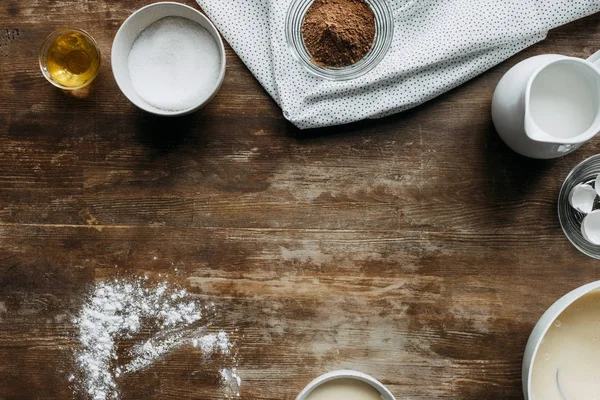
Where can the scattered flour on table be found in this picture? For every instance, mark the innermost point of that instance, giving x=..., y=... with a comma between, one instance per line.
x=231, y=382
x=174, y=64
x=3, y=309
x=117, y=310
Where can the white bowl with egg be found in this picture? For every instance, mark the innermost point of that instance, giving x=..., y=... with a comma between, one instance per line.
x=553, y=371
x=163, y=92
x=345, y=384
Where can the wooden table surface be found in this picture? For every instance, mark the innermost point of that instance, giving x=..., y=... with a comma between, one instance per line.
x=417, y=248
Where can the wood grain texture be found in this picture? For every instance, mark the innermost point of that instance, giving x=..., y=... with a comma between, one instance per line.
x=416, y=248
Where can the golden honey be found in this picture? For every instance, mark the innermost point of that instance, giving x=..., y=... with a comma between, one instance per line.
x=71, y=59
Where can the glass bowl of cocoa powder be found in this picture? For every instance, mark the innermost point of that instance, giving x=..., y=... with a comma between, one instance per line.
x=339, y=40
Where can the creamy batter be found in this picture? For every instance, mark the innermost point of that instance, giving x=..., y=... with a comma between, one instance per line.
x=567, y=364
x=344, y=389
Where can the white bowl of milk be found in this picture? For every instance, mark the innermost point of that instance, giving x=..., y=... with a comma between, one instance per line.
x=562, y=357
x=168, y=59
x=345, y=385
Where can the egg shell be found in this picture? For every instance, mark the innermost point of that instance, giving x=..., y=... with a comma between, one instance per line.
x=582, y=198
x=590, y=227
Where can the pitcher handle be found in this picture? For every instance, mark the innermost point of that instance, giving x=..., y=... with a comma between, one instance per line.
x=595, y=58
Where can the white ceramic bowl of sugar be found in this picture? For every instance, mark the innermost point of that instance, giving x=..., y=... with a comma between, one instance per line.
x=128, y=34
x=380, y=392
x=541, y=329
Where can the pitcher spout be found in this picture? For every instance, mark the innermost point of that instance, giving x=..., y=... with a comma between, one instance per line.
x=534, y=132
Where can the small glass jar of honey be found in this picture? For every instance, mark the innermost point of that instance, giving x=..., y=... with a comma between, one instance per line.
x=70, y=58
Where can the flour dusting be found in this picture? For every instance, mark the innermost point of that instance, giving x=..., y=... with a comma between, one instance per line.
x=231, y=382
x=2, y=309
x=118, y=310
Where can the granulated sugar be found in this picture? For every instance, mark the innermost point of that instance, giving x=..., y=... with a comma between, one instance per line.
x=118, y=310
x=174, y=64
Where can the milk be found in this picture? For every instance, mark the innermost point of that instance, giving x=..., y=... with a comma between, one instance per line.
x=568, y=359
x=563, y=101
x=344, y=389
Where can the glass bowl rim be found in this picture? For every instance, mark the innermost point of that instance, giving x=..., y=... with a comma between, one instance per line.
x=564, y=207
x=381, y=44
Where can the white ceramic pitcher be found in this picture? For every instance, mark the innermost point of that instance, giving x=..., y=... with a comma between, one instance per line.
x=549, y=105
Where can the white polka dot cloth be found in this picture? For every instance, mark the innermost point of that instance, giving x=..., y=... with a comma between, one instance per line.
x=438, y=45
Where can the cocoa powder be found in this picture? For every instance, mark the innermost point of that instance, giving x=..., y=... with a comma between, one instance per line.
x=338, y=33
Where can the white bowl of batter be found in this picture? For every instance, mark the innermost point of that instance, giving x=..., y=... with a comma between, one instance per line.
x=345, y=385
x=562, y=357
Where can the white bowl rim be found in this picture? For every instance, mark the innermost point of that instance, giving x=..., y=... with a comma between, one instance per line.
x=346, y=374
x=555, y=310
x=217, y=38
